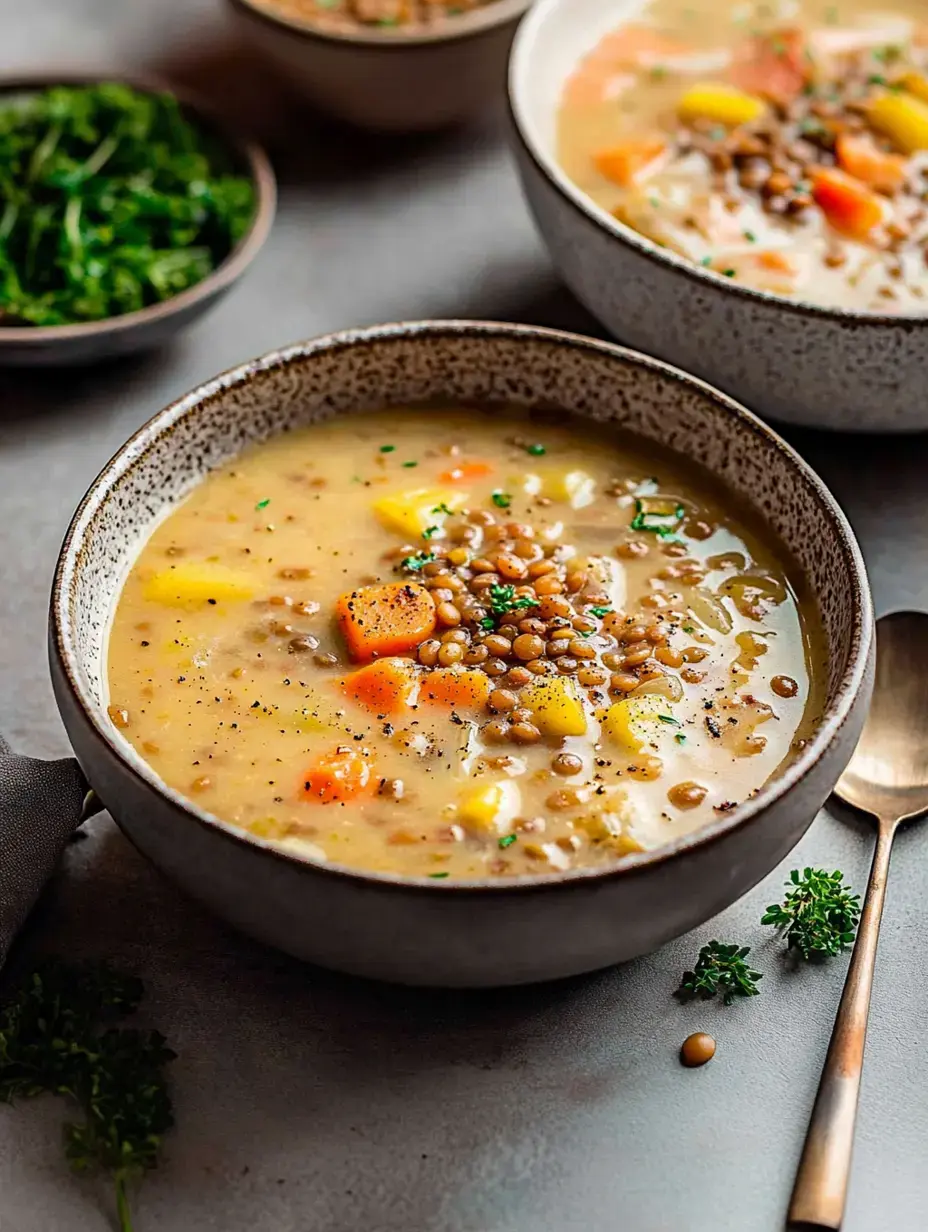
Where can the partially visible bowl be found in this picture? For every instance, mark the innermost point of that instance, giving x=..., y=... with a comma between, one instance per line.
x=790, y=360
x=391, y=79
x=88, y=342
x=416, y=930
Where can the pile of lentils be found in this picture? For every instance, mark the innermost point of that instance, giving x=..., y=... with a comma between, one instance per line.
x=774, y=157
x=518, y=607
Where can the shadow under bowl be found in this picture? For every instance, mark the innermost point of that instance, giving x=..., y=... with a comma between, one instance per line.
x=415, y=930
x=24, y=346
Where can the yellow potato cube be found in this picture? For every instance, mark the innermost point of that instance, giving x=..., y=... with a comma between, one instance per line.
x=917, y=84
x=720, y=103
x=489, y=807
x=411, y=513
x=636, y=722
x=574, y=488
x=558, y=710
x=193, y=585
x=903, y=119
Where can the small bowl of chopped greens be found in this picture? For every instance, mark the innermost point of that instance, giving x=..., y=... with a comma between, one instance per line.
x=125, y=212
x=388, y=65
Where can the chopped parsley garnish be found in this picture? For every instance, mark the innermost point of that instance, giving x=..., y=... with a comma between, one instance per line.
x=750, y=237
x=418, y=561
x=667, y=718
x=535, y=450
x=706, y=261
x=437, y=876
x=644, y=518
x=430, y=531
x=680, y=738
x=689, y=629
x=409, y=464
x=729, y=273
x=442, y=508
x=263, y=504
x=502, y=500
x=503, y=599
x=487, y=622
x=387, y=448
x=507, y=840
x=601, y=611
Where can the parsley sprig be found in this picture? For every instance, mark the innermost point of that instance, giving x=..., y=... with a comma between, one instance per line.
x=55, y=1039
x=720, y=969
x=418, y=561
x=502, y=599
x=819, y=915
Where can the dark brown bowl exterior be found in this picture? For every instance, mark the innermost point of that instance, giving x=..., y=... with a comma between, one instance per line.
x=66, y=345
x=391, y=80
x=413, y=930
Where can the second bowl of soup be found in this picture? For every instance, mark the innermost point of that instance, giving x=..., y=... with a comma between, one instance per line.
x=531, y=640
x=741, y=189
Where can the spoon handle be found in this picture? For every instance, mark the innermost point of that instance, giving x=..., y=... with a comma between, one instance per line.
x=820, y=1191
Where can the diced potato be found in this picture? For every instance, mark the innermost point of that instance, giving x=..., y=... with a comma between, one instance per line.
x=410, y=513
x=917, y=84
x=574, y=488
x=610, y=825
x=903, y=118
x=193, y=585
x=721, y=104
x=555, y=702
x=636, y=722
x=489, y=807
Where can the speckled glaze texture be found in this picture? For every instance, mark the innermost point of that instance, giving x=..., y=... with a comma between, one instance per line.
x=790, y=361
x=385, y=79
x=417, y=931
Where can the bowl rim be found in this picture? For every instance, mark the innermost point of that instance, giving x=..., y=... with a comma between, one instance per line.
x=67, y=656
x=256, y=165
x=462, y=26
x=519, y=61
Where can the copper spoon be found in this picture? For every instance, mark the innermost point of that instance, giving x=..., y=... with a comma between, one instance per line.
x=887, y=778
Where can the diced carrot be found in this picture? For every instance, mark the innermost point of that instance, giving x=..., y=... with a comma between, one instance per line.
x=456, y=686
x=629, y=48
x=392, y=619
x=384, y=686
x=848, y=205
x=465, y=472
x=624, y=163
x=340, y=774
x=773, y=259
x=862, y=158
x=773, y=65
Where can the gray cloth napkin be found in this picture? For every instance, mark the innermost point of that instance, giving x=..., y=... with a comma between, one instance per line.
x=41, y=805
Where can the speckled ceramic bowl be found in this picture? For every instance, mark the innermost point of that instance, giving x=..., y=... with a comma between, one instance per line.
x=61, y=345
x=795, y=362
x=415, y=930
x=391, y=79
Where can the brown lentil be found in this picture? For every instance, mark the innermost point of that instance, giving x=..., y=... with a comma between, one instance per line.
x=525, y=733
x=697, y=1049
x=451, y=652
x=686, y=795
x=566, y=764
x=784, y=686
x=501, y=701
x=528, y=646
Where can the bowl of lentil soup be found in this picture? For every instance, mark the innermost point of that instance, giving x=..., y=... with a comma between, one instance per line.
x=388, y=65
x=461, y=653
x=741, y=189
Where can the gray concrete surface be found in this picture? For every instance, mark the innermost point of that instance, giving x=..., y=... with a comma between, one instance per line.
x=307, y=1102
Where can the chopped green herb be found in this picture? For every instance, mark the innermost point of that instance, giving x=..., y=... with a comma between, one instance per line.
x=503, y=599
x=654, y=202
x=680, y=738
x=666, y=718
x=437, y=876
x=387, y=448
x=487, y=622
x=502, y=500
x=750, y=237
x=729, y=273
x=876, y=79
x=409, y=464
x=263, y=504
x=720, y=969
x=689, y=628
x=430, y=531
x=535, y=450
x=418, y=561
x=507, y=840
x=442, y=508
x=57, y=1037
x=601, y=611
x=113, y=202
x=819, y=915
x=644, y=518
x=706, y=261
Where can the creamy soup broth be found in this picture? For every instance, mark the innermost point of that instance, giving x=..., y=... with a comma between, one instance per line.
x=783, y=144
x=458, y=644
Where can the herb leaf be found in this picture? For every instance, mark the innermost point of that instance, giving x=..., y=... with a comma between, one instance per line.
x=721, y=969
x=502, y=500
x=418, y=561
x=819, y=915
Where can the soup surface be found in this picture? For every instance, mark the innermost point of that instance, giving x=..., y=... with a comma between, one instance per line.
x=348, y=15
x=451, y=643
x=783, y=143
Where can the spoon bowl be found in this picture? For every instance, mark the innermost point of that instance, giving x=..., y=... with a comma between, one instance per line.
x=888, y=774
